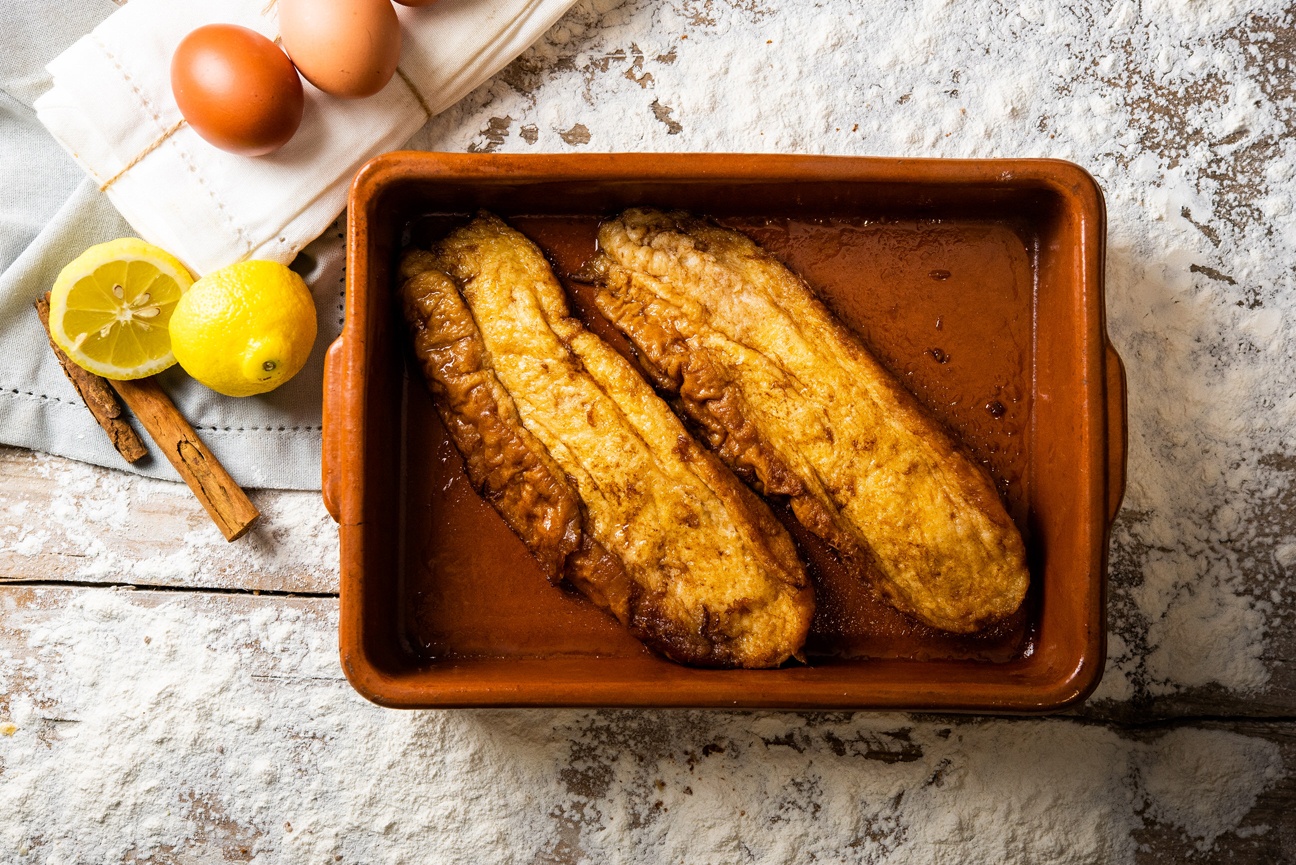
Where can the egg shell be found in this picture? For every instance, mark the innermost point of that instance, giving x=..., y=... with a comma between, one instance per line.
x=236, y=89
x=416, y=2
x=347, y=48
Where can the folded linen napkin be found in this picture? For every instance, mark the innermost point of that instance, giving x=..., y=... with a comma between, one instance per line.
x=111, y=107
x=50, y=211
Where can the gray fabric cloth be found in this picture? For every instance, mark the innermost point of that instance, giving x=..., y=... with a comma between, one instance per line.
x=49, y=213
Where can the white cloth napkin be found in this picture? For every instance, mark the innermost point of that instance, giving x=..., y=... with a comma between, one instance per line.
x=207, y=206
x=111, y=107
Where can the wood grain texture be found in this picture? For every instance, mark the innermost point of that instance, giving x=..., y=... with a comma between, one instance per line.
x=285, y=678
x=63, y=521
x=218, y=493
x=1274, y=813
x=1194, y=192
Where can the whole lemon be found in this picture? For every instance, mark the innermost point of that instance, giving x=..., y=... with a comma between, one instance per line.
x=244, y=329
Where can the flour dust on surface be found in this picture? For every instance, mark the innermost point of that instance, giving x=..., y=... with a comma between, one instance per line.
x=234, y=730
x=235, y=712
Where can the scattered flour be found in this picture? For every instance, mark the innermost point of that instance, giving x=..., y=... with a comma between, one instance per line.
x=230, y=728
x=95, y=516
x=1204, y=761
x=233, y=734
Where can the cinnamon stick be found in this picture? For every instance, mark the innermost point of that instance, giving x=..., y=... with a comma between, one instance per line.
x=224, y=499
x=97, y=395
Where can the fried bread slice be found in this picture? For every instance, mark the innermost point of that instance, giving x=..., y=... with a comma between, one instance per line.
x=794, y=404
x=590, y=467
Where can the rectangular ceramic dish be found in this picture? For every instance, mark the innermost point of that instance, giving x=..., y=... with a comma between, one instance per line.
x=978, y=283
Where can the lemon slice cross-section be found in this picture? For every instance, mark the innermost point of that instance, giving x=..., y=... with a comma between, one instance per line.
x=111, y=306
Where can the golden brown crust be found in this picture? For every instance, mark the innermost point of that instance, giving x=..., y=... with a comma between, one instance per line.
x=709, y=398
x=505, y=463
x=665, y=537
x=792, y=402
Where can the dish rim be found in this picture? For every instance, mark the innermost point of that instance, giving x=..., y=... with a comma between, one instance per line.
x=345, y=424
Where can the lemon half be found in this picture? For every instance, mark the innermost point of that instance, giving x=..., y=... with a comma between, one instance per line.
x=245, y=329
x=110, y=308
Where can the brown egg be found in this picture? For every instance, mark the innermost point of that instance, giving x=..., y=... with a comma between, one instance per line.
x=236, y=89
x=347, y=48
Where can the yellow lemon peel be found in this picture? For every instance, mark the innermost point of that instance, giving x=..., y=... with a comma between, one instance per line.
x=245, y=329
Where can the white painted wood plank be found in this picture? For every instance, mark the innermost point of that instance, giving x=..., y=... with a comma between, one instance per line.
x=67, y=521
x=185, y=727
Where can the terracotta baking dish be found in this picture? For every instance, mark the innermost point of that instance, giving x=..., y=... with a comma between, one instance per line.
x=979, y=284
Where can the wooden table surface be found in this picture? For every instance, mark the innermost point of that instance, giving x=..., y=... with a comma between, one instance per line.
x=116, y=532
x=68, y=531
